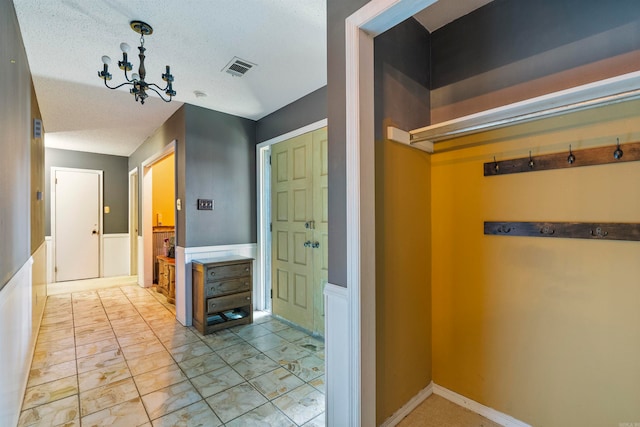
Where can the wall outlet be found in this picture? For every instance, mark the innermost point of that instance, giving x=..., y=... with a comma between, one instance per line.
x=205, y=204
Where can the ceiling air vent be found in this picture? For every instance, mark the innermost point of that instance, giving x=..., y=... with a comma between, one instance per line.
x=238, y=67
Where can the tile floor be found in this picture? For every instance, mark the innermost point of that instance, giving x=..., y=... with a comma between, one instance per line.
x=118, y=357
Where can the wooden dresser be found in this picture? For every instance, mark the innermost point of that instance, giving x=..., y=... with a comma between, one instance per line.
x=222, y=292
x=167, y=277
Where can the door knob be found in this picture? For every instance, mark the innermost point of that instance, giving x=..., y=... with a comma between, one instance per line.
x=94, y=232
x=315, y=245
x=307, y=244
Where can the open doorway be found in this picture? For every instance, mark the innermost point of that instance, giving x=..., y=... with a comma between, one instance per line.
x=289, y=294
x=158, y=224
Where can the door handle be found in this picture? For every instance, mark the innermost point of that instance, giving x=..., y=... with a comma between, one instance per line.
x=315, y=245
x=310, y=224
x=307, y=244
x=95, y=232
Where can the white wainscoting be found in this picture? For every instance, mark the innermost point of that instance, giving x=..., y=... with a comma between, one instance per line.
x=16, y=329
x=115, y=254
x=48, y=241
x=183, y=272
x=336, y=303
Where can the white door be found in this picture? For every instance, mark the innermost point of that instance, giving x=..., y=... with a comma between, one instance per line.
x=77, y=224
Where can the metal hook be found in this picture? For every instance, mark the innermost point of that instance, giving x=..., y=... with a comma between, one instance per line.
x=496, y=166
x=571, y=159
x=504, y=229
x=530, y=160
x=599, y=233
x=547, y=230
x=618, y=153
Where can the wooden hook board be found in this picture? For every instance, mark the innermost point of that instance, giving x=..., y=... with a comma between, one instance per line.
x=571, y=230
x=584, y=157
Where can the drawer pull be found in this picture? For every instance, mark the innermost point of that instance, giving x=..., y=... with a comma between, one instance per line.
x=213, y=273
x=246, y=269
x=248, y=298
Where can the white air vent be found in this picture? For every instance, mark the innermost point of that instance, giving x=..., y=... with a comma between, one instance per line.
x=238, y=67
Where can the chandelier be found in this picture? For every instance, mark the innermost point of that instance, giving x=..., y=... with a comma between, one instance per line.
x=137, y=81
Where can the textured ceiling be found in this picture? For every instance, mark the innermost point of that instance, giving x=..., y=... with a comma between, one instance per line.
x=65, y=39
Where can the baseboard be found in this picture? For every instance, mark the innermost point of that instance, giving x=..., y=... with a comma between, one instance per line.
x=480, y=409
x=489, y=413
x=409, y=406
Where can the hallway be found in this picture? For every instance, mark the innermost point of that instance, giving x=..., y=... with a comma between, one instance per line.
x=118, y=357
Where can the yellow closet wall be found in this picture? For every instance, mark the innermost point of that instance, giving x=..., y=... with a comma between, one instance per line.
x=403, y=270
x=545, y=330
x=163, y=177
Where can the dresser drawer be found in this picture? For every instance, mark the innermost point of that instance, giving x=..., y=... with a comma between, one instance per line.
x=226, y=271
x=228, y=302
x=227, y=287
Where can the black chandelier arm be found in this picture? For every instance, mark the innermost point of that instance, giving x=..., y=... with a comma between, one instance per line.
x=116, y=87
x=158, y=93
x=159, y=88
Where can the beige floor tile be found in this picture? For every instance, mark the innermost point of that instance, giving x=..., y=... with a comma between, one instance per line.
x=150, y=362
x=100, y=398
x=237, y=352
x=88, y=321
x=177, y=339
x=159, y=378
x=169, y=399
x=235, y=401
x=274, y=325
x=291, y=334
x=266, y=415
x=126, y=414
x=55, y=334
x=142, y=349
x=255, y=366
x=221, y=339
x=197, y=414
x=189, y=351
x=50, y=392
x=310, y=343
x=276, y=383
x=201, y=364
x=318, y=384
x=56, y=322
x=103, y=376
x=88, y=328
x=101, y=335
x=51, y=414
x=43, y=359
x=248, y=332
x=214, y=382
x=302, y=404
x=318, y=421
x=267, y=342
x=100, y=360
x=136, y=338
x=110, y=344
x=306, y=368
x=287, y=353
x=56, y=345
x=39, y=376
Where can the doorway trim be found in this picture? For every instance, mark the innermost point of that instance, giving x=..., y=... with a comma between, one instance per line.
x=361, y=28
x=263, y=180
x=134, y=240
x=52, y=178
x=146, y=221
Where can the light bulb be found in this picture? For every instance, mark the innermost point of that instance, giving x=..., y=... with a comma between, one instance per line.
x=125, y=47
x=106, y=60
x=135, y=76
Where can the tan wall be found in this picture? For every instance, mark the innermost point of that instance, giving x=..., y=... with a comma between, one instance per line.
x=545, y=330
x=164, y=191
x=403, y=269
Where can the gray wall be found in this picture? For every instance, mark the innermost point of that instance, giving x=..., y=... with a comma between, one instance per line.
x=306, y=110
x=115, y=184
x=219, y=157
x=337, y=12
x=171, y=130
x=510, y=42
x=15, y=137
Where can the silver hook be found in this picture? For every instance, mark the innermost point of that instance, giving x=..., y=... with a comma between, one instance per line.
x=496, y=166
x=618, y=153
x=571, y=159
x=530, y=160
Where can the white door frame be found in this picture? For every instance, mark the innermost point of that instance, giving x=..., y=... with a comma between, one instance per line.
x=147, y=221
x=262, y=299
x=52, y=177
x=361, y=27
x=133, y=222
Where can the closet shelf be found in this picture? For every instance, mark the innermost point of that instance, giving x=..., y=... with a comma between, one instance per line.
x=621, y=88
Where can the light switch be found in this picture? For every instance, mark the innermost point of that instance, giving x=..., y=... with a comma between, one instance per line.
x=205, y=204
x=178, y=204
x=107, y=209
